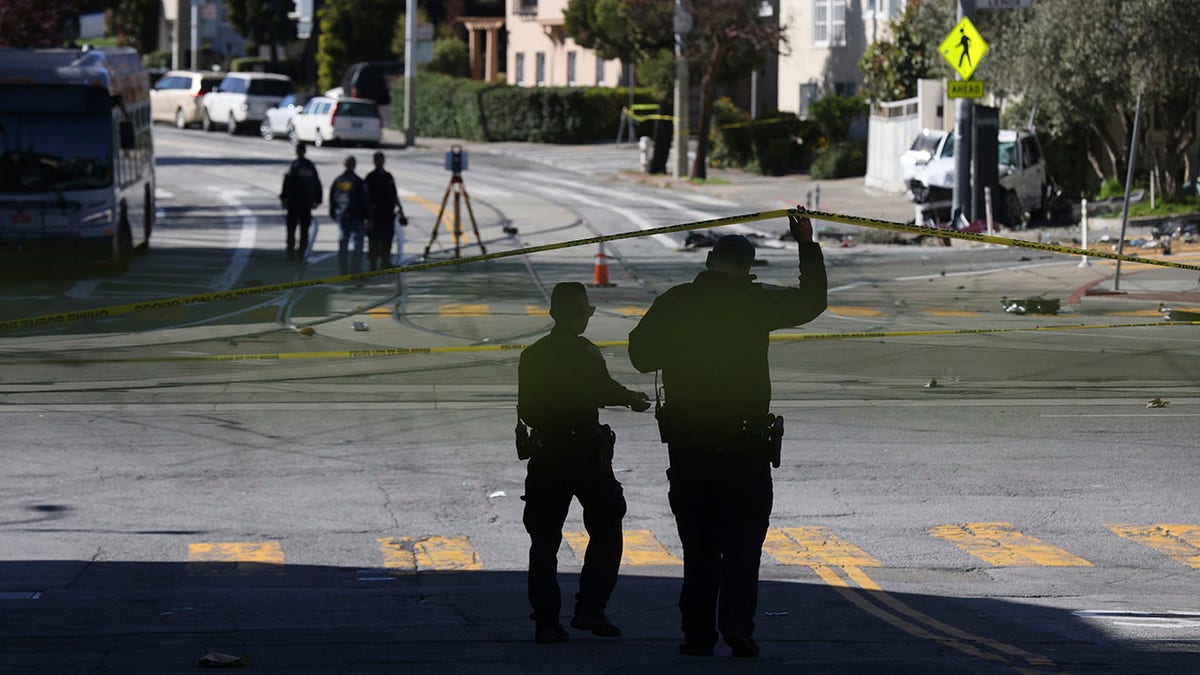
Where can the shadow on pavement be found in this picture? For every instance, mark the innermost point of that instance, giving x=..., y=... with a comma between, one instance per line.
x=162, y=617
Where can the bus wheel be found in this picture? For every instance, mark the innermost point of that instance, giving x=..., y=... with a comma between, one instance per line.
x=122, y=252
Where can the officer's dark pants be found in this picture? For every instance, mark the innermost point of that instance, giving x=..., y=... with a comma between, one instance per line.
x=722, y=507
x=302, y=216
x=549, y=487
x=379, y=247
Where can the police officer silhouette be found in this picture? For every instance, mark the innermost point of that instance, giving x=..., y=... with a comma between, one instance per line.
x=709, y=337
x=562, y=383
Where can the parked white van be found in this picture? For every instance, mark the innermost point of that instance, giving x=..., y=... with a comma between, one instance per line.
x=242, y=99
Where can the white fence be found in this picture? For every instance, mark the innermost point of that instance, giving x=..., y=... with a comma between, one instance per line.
x=892, y=128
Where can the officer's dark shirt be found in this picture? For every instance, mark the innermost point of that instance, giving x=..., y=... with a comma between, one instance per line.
x=348, y=198
x=563, y=381
x=301, y=185
x=382, y=188
x=710, y=339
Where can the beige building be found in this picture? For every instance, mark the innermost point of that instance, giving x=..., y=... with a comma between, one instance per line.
x=826, y=39
x=541, y=55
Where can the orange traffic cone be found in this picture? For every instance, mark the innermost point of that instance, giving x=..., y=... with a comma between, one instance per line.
x=600, y=277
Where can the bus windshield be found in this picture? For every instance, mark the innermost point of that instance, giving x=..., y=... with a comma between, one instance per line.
x=45, y=152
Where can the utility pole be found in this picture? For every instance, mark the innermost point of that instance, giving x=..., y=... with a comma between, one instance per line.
x=683, y=26
x=1137, y=118
x=410, y=71
x=964, y=107
x=195, y=64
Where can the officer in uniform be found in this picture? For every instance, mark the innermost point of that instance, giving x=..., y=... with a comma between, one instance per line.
x=349, y=203
x=709, y=337
x=385, y=204
x=562, y=383
x=301, y=194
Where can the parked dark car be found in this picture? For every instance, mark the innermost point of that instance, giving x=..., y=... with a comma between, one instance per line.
x=373, y=80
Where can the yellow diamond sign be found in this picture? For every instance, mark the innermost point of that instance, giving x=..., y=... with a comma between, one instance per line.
x=963, y=48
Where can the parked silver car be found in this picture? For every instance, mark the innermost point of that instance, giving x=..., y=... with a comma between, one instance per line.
x=243, y=99
x=278, y=119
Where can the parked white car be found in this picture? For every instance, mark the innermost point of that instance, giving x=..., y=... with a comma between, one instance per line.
x=243, y=99
x=928, y=170
x=337, y=120
x=178, y=96
x=277, y=120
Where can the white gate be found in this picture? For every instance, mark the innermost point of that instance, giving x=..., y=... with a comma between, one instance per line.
x=893, y=126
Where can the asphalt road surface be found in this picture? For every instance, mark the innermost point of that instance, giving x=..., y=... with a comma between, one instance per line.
x=238, y=476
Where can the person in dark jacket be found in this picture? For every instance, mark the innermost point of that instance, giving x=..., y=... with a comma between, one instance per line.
x=561, y=385
x=385, y=204
x=301, y=194
x=348, y=205
x=709, y=338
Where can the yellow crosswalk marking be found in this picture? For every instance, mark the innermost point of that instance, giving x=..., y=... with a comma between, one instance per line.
x=1136, y=312
x=465, y=310
x=816, y=547
x=1181, y=542
x=641, y=548
x=409, y=555
x=534, y=310
x=631, y=311
x=950, y=312
x=248, y=556
x=1003, y=546
x=379, y=311
x=841, y=310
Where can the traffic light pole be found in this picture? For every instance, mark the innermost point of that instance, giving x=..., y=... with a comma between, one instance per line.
x=961, y=197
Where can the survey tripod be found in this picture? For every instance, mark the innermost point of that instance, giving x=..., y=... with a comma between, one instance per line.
x=456, y=163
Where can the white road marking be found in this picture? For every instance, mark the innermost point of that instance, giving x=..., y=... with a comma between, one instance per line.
x=244, y=244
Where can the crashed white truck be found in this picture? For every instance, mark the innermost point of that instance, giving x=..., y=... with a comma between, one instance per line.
x=928, y=172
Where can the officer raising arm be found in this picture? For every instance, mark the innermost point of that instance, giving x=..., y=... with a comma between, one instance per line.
x=562, y=383
x=710, y=337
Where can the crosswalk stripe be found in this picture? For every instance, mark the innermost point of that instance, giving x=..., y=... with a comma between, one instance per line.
x=950, y=312
x=409, y=555
x=534, y=310
x=816, y=547
x=631, y=311
x=854, y=311
x=465, y=310
x=1180, y=542
x=1003, y=546
x=641, y=548
x=247, y=555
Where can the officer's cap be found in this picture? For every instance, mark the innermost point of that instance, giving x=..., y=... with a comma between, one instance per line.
x=736, y=249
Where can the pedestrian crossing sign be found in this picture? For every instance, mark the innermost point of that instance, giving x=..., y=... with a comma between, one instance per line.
x=964, y=48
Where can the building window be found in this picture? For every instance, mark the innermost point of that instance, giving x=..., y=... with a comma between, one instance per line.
x=520, y=68
x=809, y=93
x=599, y=70
x=845, y=88
x=540, y=70
x=829, y=23
x=571, y=59
x=526, y=7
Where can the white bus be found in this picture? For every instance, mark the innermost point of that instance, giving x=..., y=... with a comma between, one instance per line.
x=76, y=155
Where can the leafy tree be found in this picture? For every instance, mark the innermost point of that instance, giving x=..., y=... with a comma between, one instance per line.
x=728, y=38
x=134, y=22
x=1084, y=63
x=892, y=66
x=262, y=21
x=37, y=23
x=451, y=57
x=352, y=31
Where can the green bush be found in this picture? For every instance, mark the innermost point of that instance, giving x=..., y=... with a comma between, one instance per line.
x=478, y=111
x=450, y=57
x=1111, y=187
x=768, y=146
x=840, y=160
x=157, y=60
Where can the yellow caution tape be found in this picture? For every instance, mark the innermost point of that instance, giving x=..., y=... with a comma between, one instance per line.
x=406, y=351
x=118, y=310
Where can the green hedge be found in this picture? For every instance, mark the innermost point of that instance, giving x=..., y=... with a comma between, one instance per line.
x=840, y=160
x=773, y=146
x=472, y=110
